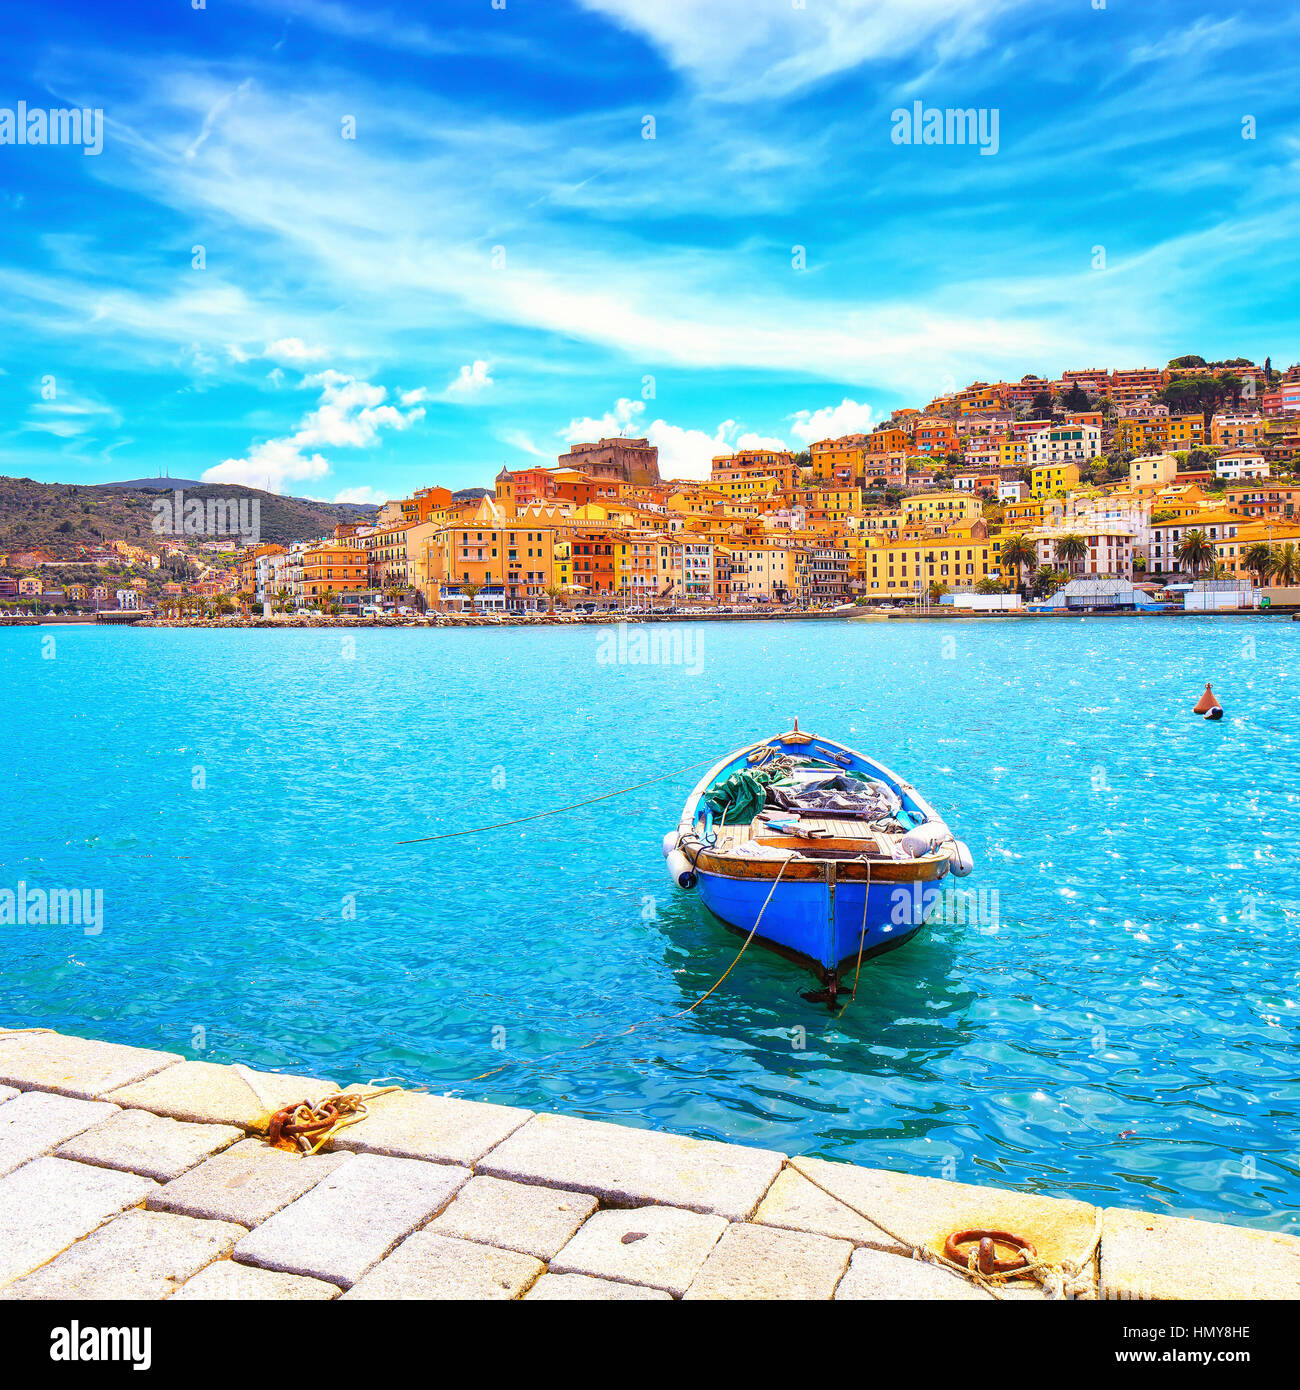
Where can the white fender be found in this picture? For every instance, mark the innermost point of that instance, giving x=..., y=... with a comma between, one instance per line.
x=921, y=839
x=670, y=843
x=959, y=856
x=681, y=870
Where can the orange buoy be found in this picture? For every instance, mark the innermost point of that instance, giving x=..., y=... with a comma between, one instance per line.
x=1207, y=702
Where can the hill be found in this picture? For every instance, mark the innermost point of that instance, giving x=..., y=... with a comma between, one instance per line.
x=64, y=517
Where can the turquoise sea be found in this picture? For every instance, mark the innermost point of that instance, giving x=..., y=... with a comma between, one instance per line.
x=1119, y=1023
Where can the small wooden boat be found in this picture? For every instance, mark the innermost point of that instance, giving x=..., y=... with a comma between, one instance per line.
x=821, y=853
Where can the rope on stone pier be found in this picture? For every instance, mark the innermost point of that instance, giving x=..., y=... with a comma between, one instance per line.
x=1064, y=1280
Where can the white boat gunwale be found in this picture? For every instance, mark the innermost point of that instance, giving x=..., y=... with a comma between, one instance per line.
x=913, y=802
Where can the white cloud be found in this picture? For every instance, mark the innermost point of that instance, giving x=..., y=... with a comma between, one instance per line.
x=292, y=351
x=351, y=414
x=470, y=381
x=518, y=439
x=734, y=48
x=831, y=421
x=361, y=494
x=414, y=397
x=70, y=416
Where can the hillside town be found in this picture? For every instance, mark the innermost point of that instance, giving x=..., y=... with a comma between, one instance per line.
x=1102, y=489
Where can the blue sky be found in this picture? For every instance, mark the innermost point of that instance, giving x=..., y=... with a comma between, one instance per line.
x=500, y=262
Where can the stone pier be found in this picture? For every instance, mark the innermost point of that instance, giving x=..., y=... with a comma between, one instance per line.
x=129, y=1173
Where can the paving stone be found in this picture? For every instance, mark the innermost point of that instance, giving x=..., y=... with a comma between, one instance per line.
x=74, y=1066
x=924, y=1210
x=411, y=1124
x=248, y=1183
x=135, y=1141
x=878, y=1274
x=515, y=1216
x=208, y=1093
x=581, y=1287
x=352, y=1219
x=762, y=1262
x=143, y=1254
x=36, y=1122
x=1148, y=1256
x=227, y=1281
x=635, y=1167
x=661, y=1247
x=427, y=1265
x=50, y=1202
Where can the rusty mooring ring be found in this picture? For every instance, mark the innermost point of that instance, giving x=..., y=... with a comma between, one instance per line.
x=986, y=1259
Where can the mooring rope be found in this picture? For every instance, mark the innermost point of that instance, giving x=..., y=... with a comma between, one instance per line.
x=1065, y=1279
x=646, y=1022
x=556, y=810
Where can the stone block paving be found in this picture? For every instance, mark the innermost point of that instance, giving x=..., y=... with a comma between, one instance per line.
x=129, y=1173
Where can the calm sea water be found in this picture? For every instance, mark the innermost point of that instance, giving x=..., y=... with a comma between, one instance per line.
x=1124, y=1031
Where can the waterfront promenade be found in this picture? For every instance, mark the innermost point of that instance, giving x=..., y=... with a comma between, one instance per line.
x=131, y=1173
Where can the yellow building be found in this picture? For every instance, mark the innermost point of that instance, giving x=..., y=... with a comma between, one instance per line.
x=939, y=508
x=1159, y=433
x=516, y=558
x=1049, y=479
x=901, y=569
x=1155, y=470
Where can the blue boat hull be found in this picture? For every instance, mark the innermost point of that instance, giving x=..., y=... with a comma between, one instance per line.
x=799, y=919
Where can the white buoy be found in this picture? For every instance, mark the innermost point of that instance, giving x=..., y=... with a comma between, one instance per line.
x=670, y=843
x=961, y=859
x=681, y=870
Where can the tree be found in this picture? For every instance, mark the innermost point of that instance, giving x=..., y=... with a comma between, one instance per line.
x=552, y=592
x=1196, y=551
x=1286, y=564
x=1018, y=553
x=1048, y=579
x=1191, y=360
x=471, y=591
x=1076, y=398
x=937, y=590
x=1202, y=391
x=1041, y=405
x=1259, y=561
x=1071, y=547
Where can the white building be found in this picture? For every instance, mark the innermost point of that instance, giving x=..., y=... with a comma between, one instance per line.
x=1063, y=444
x=1241, y=465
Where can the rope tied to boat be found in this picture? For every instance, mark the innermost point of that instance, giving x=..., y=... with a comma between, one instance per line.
x=556, y=810
x=667, y=1018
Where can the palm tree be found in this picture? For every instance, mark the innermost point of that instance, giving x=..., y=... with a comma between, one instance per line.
x=1071, y=547
x=1286, y=564
x=1018, y=553
x=937, y=590
x=1049, y=579
x=988, y=585
x=552, y=592
x=1258, y=560
x=1196, y=551
x=470, y=590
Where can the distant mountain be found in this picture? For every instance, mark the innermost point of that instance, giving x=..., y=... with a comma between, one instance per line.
x=151, y=484
x=62, y=518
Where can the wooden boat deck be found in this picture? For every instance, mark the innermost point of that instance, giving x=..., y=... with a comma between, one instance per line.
x=837, y=829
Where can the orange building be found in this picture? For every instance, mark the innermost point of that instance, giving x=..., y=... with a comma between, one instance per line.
x=333, y=569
